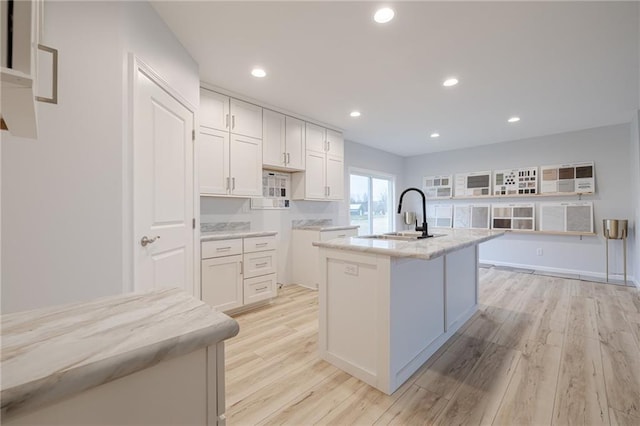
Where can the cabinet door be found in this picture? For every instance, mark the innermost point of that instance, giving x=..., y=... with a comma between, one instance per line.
x=246, y=166
x=315, y=187
x=213, y=159
x=295, y=145
x=246, y=119
x=214, y=110
x=273, y=139
x=315, y=138
x=222, y=282
x=335, y=177
x=335, y=143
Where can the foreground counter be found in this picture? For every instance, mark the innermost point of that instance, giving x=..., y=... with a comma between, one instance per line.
x=141, y=358
x=386, y=306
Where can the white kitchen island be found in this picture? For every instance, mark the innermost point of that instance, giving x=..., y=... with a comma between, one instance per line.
x=386, y=306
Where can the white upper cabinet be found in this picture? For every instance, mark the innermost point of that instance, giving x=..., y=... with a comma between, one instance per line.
x=283, y=142
x=246, y=119
x=230, y=146
x=335, y=143
x=295, y=143
x=315, y=138
x=273, y=139
x=214, y=110
x=213, y=161
x=221, y=112
x=335, y=177
x=245, y=166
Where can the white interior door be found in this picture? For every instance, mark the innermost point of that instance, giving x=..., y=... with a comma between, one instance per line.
x=163, y=188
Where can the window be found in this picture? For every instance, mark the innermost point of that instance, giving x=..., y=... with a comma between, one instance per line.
x=371, y=201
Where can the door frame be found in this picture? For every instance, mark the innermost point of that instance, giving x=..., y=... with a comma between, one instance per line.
x=370, y=174
x=135, y=65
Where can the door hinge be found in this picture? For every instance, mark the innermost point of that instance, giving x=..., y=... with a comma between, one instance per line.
x=193, y=223
x=193, y=135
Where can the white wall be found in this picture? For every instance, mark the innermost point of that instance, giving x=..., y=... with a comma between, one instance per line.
x=606, y=146
x=215, y=209
x=64, y=195
x=635, y=188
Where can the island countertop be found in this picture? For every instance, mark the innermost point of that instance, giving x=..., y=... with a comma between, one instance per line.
x=53, y=353
x=428, y=248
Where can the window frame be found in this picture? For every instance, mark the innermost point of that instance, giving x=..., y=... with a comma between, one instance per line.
x=373, y=174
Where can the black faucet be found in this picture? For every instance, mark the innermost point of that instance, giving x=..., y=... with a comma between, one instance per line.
x=424, y=229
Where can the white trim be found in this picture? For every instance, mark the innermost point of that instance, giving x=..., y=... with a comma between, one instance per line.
x=136, y=64
x=579, y=274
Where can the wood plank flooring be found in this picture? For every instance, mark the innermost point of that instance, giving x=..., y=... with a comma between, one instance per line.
x=541, y=350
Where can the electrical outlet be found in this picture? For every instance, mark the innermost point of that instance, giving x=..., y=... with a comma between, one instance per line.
x=539, y=252
x=351, y=269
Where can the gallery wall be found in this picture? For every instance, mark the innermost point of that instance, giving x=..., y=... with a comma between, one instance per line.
x=64, y=204
x=607, y=146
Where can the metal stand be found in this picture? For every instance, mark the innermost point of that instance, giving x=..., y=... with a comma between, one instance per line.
x=624, y=251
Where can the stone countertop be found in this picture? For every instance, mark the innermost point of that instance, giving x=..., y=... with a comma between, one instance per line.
x=429, y=248
x=53, y=353
x=230, y=235
x=325, y=228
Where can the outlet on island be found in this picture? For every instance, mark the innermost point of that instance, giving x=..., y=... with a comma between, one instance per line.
x=351, y=269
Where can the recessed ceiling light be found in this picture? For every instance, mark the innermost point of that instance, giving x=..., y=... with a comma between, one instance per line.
x=513, y=119
x=450, y=82
x=435, y=135
x=384, y=15
x=258, y=72
x=355, y=114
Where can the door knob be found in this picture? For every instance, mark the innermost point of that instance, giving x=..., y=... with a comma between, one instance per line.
x=145, y=240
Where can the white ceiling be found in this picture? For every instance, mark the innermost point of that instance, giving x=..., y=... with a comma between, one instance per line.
x=560, y=66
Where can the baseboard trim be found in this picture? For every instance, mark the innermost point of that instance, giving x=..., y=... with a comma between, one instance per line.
x=568, y=273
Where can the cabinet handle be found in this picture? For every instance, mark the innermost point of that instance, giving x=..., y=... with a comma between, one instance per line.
x=328, y=145
x=284, y=157
x=233, y=122
x=223, y=248
x=228, y=184
x=262, y=288
x=342, y=235
x=261, y=244
x=233, y=183
x=241, y=268
x=226, y=121
x=328, y=191
x=260, y=265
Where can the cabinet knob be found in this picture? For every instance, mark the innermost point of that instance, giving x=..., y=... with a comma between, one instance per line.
x=145, y=241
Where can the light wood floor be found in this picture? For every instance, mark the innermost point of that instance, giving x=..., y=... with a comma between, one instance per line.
x=541, y=350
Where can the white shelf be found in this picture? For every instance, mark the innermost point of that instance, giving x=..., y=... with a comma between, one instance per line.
x=481, y=197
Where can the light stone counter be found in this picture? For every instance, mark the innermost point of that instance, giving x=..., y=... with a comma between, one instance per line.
x=231, y=235
x=428, y=248
x=322, y=228
x=53, y=353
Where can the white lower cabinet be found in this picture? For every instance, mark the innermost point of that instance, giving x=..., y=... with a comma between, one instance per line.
x=239, y=272
x=222, y=282
x=306, y=270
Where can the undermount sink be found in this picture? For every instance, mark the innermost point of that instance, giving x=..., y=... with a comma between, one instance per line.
x=402, y=236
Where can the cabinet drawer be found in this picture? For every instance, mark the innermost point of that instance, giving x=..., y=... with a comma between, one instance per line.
x=259, y=288
x=221, y=248
x=259, y=263
x=330, y=235
x=259, y=244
